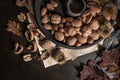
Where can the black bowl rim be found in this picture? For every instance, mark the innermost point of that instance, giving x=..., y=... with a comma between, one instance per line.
x=37, y=7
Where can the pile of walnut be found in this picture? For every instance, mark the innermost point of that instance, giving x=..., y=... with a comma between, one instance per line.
x=85, y=29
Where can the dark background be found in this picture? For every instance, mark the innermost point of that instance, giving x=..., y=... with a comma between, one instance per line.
x=12, y=66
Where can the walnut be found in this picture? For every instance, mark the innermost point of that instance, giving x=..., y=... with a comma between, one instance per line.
x=29, y=35
x=82, y=39
x=77, y=23
x=43, y=11
x=32, y=47
x=71, y=31
x=94, y=24
x=71, y=41
x=95, y=35
x=63, y=20
x=17, y=48
x=78, y=44
x=95, y=8
x=50, y=7
x=61, y=25
x=45, y=19
x=86, y=13
x=47, y=26
x=90, y=40
x=55, y=27
x=61, y=30
x=59, y=36
x=21, y=17
x=89, y=18
x=27, y=57
x=54, y=3
x=86, y=30
x=69, y=19
x=55, y=19
x=67, y=24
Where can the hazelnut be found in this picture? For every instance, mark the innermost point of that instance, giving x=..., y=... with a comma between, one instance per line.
x=17, y=48
x=59, y=36
x=43, y=11
x=95, y=35
x=77, y=23
x=90, y=40
x=50, y=7
x=54, y=3
x=71, y=41
x=45, y=44
x=32, y=47
x=27, y=57
x=47, y=26
x=45, y=19
x=94, y=24
x=55, y=19
x=82, y=39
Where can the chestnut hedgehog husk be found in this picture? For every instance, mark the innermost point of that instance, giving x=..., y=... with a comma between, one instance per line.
x=58, y=56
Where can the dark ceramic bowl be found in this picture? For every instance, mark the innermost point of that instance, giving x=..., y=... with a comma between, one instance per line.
x=76, y=7
x=37, y=7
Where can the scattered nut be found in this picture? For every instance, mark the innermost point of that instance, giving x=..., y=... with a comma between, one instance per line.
x=47, y=26
x=43, y=11
x=31, y=26
x=17, y=48
x=21, y=17
x=32, y=47
x=50, y=7
x=71, y=41
x=55, y=19
x=59, y=36
x=27, y=57
x=29, y=35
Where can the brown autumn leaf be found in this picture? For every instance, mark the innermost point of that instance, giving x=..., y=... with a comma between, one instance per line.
x=14, y=27
x=110, y=60
x=92, y=72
